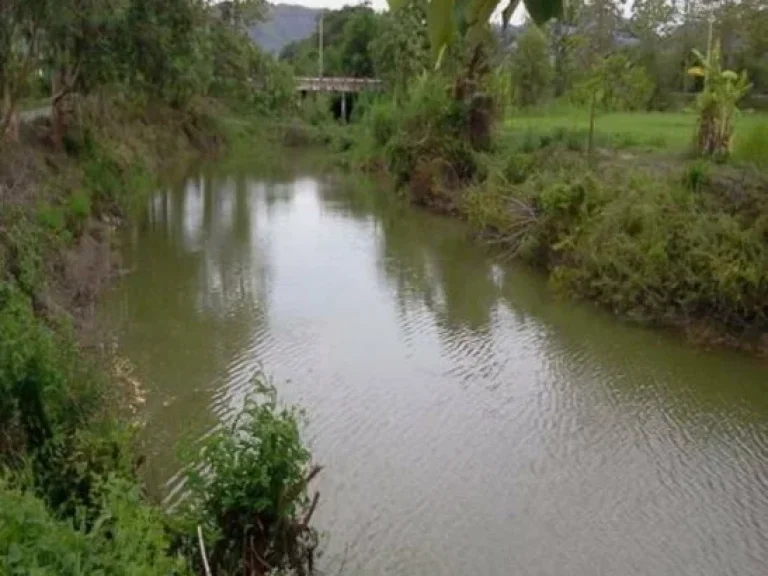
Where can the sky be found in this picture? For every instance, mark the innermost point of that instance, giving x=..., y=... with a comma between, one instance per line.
x=377, y=5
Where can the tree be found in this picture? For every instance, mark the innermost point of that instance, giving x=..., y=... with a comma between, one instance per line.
x=652, y=22
x=401, y=49
x=22, y=26
x=347, y=36
x=566, y=42
x=355, y=53
x=78, y=45
x=531, y=68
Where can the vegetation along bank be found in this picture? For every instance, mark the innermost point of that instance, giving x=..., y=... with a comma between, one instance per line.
x=113, y=93
x=624, y=154
x=541, y=136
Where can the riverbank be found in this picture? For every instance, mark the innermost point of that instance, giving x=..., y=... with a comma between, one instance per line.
x=665, y=241
x=68, y=406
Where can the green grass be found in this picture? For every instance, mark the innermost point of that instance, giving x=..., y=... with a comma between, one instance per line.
x=652, y=131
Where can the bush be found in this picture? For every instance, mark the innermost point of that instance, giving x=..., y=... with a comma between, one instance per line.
x=531, y=68
x=126, y=538
x=431, y=149
x=248, y=490
x=78, y=210
x=647, y=248
x=52, y=409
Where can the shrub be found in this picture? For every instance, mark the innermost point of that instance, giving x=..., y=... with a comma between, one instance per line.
x=52, y=218
x=127, y=537
x=248, y=490
x=78, y=210
x=696, y=175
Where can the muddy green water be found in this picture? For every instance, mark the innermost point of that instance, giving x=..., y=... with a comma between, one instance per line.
x=469, y=421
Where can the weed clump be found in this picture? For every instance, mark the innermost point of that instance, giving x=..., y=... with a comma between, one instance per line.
x=249, y=492
x=657, y=251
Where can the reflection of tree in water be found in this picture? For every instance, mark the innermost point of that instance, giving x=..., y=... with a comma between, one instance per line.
x=426, y=257
x=200, y=298
x=433, y=268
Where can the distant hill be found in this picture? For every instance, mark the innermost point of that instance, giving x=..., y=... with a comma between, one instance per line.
x=285, y=23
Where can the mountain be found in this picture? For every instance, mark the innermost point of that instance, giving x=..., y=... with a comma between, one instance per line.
x=284, y=23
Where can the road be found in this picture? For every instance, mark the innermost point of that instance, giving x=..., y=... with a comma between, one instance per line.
x=34, y=114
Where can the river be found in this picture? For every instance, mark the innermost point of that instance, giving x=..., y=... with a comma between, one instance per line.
x=469, y=420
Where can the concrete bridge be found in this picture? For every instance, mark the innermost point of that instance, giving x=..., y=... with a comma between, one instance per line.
x=336, y=84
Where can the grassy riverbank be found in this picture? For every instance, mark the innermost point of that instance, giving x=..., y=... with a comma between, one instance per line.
x=668, y=133
x=660, y=239
x=70, y=488
x=133, y=90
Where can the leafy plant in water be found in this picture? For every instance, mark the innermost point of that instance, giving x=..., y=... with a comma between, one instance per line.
x=249, y=491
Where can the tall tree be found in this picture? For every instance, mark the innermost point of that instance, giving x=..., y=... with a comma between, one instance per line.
x=22, y=29
x=531, y=68
x=401, y=49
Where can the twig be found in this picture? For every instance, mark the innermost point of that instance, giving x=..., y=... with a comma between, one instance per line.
x=311, y=510
x=202, y=551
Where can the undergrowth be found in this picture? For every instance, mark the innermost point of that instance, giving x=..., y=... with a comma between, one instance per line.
x=248, y=491
x=663, y=240
x=666, y=249
x=70, y=495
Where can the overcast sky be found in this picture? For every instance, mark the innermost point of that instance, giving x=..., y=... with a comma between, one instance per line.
x=377, y=4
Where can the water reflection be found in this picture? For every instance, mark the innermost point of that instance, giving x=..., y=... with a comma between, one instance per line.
x=469, y=421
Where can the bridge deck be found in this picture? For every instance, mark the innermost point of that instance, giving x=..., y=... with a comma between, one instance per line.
x=336, y=84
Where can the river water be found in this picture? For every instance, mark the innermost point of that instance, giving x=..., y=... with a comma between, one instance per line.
x=469, y=421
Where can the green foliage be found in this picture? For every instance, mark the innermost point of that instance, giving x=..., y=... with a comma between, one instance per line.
x=52, y=408
x=447, y=19
x=24, y=243
x=618, y=85
x=652, y=131
x=641, y=244
x=697, y=175
x=78, y=210
x=717, y=103
x=427, y=146
x=126, y=537
x=52, y=218
x=400, y=50
x=248, y=490
x=531, y=69
x=347, y=37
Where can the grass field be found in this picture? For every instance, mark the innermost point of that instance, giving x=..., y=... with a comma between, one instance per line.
x=651, y=131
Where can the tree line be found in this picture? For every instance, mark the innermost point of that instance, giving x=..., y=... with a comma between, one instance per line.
x=642, y=52
x=173, y=50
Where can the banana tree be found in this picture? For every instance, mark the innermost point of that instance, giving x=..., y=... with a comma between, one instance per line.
x=717, y=102
x=466, y=24
x=446, y=19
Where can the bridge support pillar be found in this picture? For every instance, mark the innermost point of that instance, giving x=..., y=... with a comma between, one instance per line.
x=344, y=107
